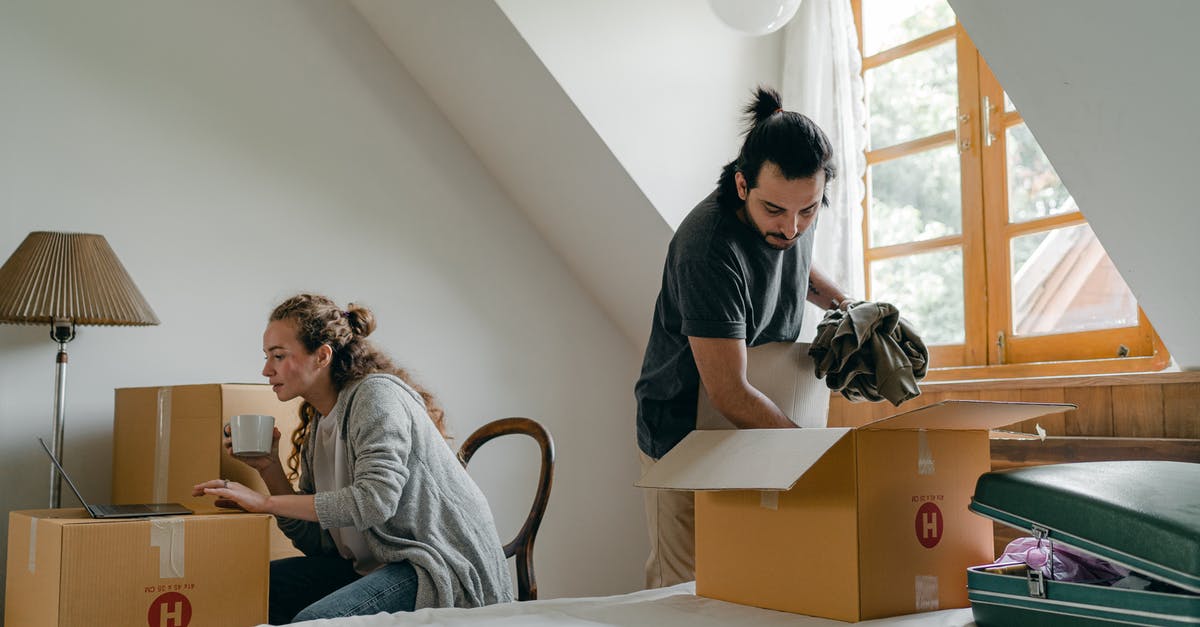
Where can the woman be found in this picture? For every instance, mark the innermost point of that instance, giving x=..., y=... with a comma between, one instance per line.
x=386, y=516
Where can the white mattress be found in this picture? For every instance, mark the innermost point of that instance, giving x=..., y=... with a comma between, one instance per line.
x=676, y=606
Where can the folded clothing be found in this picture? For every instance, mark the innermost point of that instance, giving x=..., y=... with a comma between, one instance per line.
x=869, y=353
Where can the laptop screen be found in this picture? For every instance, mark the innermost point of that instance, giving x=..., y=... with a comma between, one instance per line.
x=64, y=474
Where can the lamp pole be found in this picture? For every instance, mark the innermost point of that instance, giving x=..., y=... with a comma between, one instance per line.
x=62, y=332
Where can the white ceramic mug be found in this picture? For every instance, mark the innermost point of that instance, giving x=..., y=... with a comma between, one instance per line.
x=251, y=434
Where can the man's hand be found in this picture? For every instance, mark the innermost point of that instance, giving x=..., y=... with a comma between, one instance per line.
x=722, y=366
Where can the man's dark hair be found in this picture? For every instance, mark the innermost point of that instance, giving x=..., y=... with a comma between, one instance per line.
x=788, y=139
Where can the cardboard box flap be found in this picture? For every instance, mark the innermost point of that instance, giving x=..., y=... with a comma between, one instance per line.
x=967, y=415
x=741, y=459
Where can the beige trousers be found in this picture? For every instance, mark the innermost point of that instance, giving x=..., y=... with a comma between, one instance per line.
x=671, y=521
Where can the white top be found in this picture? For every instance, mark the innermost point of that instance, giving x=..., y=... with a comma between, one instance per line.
x=331, y=470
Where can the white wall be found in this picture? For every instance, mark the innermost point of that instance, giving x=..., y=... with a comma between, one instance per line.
x=234, y=153
x=662, y=82
x=474, y=65
x=1108, y=88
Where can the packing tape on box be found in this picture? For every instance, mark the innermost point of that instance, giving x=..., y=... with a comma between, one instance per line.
x=927, y=592
x=33, y=544
x=167, y=535
x=769, y=499
x=162, y=445
x=924, y=454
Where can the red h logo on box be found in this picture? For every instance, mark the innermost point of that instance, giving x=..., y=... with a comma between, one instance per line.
x=929, y=525
x=169, y=609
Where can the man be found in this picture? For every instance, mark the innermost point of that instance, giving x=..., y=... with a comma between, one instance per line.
x=736, y=276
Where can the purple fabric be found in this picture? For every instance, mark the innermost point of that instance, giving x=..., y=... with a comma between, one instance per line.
x=1069, y=564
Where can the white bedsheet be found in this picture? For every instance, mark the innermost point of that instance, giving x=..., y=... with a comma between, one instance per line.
x=677, y=606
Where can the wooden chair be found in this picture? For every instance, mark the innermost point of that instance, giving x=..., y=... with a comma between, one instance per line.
x=521, y=546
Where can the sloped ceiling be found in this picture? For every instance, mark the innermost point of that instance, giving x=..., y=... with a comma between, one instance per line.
x=1108, y=88
x=662, y=82
x=507, y=106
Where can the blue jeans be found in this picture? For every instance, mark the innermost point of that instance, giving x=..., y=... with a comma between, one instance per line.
x=308, y=588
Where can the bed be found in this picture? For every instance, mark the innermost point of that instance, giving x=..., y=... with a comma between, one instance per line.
x=677, y=606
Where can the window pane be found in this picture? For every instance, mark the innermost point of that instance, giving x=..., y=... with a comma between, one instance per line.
x=889, y=23
x=915, y=198
x=1034, y=189
x=1008, y=105
x=928, y=290
x=913, y=96
x=1063, y=281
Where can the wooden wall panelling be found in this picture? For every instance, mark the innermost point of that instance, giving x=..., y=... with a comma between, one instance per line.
x=883, y=409
x=961, y=395
x=1181, y=410
x=837, y=412
x=999, y=395
x=1093, y=416
x=1002, y=395
x=926, y=398
x=1054, y=424
x=1011, y=453
x=1138, y=411
x=851, y=414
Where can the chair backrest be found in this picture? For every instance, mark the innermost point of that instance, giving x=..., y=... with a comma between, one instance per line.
x=521, y=546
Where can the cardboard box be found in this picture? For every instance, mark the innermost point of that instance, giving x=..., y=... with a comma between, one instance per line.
x=66, y=569
x=168, y=439
x=848, y=524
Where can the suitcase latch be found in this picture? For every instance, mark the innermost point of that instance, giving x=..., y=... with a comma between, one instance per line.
x=1034, y=576
x=1037, y=584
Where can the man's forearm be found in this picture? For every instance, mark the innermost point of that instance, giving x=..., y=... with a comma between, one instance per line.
x=748, y=408
x=823, y=293
x=721, y=363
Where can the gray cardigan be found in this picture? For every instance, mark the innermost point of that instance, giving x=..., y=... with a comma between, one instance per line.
x=410, y=496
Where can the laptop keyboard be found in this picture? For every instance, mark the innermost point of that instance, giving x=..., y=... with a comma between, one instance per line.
x=124, y=509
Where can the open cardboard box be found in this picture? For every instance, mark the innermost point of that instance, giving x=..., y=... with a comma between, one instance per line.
x=849, y=524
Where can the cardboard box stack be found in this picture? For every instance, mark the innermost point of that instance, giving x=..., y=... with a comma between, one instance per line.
x=167, y=439
x=66, y=569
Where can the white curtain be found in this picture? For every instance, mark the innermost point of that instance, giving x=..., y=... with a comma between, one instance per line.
x=822, y=78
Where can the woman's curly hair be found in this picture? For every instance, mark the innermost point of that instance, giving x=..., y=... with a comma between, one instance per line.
x=318, y=320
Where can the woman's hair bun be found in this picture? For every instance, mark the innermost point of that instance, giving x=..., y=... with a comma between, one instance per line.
x=360, y=319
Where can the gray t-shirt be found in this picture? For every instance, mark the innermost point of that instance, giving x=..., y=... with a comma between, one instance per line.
x=720, y=280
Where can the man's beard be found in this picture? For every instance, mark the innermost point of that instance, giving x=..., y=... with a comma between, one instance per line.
x=778, y=241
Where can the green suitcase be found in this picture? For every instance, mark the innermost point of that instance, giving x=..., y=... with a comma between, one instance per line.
x=1141, y=515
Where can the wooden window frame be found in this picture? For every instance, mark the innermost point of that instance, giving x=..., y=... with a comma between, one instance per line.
x=985, y=240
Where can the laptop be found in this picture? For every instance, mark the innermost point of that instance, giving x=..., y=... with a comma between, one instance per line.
x=118, y=511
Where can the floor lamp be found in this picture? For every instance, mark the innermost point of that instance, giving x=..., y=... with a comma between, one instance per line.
x=64, y=280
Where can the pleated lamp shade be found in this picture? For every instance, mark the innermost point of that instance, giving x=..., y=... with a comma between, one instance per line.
x=69, y=275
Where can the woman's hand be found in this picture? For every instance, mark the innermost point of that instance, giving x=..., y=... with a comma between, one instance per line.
x=257, y=462
x=232, y=495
